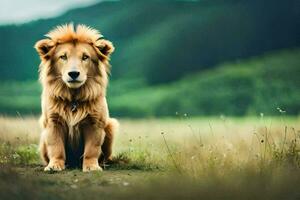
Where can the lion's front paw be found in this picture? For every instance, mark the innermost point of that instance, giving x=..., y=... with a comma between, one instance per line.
x=55, y=166
x=91, y=165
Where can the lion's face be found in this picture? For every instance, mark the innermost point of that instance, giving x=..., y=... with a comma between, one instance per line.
x=74, y=57
x=75, y=63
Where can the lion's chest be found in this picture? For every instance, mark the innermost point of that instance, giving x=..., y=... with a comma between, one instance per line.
x=73, y=114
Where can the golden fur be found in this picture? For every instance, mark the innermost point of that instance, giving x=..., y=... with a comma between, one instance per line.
x=75, y=118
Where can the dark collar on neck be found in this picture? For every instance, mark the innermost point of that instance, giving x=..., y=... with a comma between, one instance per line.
x=74, y=105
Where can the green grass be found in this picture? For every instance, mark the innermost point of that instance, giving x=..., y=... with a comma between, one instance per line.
x=183, y=158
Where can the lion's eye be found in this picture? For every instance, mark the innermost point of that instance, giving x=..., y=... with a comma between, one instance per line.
x=63, y=57
x=85, y=57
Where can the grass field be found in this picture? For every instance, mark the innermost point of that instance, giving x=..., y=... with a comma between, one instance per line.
x=182, y=158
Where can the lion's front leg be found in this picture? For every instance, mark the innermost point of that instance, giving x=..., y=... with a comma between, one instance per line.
x=93, y=139
x=53, y=140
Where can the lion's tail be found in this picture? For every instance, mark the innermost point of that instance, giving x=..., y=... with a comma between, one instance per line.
x=111, y=128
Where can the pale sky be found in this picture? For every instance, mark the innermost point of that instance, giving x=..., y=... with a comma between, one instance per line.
x=20, y=11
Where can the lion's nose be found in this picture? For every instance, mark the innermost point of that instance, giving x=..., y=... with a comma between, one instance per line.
x=74, y=74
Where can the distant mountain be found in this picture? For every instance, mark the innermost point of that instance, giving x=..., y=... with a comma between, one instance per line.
x=162, y=41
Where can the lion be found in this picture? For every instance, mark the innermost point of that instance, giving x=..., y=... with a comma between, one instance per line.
x=76, y=127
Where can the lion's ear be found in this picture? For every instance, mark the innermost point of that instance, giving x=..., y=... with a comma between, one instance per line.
x=43, y=47
x=105, y=48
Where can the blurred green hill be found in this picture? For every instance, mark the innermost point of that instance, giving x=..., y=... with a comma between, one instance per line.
x=266, y=84
x=170, y=56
